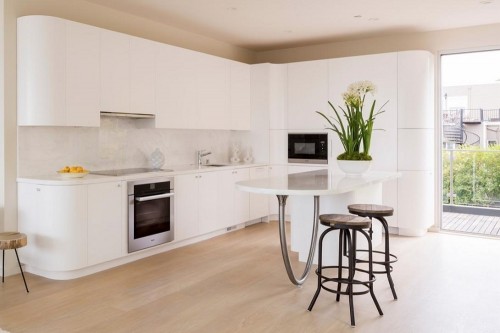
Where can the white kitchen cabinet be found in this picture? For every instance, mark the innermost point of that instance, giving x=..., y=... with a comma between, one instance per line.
x=142, y=75
x=55, y=220
x=58, y=72
x=415, y=89
x=195, y=204
x=277, y=97
x=176, y=103
x=233, y=204
x=239, y=104
x=212, y=84
x=115, y=71
x=259, y=203
x=107, y=221
x=307, y=92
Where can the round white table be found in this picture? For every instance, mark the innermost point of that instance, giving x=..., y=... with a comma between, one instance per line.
x=316, y=184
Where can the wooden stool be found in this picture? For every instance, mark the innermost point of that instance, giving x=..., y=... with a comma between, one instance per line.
x=379, y=212
x=9, y=241
x=348, y=226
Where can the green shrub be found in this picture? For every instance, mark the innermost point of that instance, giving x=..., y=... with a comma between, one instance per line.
x=476, y=176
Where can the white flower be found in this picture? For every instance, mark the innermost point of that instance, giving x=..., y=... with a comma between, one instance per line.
x=356, y=91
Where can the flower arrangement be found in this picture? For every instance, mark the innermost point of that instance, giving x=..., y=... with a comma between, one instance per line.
x=353, y=129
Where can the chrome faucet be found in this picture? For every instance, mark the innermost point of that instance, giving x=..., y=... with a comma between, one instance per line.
x=200, y=154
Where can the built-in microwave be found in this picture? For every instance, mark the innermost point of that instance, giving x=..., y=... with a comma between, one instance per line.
x=308, y=148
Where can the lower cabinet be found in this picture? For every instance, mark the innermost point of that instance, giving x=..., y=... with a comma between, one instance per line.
x=106, y=221
x=55, y=220
x=233, y=204
x=259, y=203
x=71, y=227
x=195, y=204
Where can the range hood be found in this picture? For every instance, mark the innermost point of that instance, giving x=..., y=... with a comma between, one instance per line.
x=127, y=115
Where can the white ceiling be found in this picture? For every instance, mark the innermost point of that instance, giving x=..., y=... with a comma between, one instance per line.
x=273, y=24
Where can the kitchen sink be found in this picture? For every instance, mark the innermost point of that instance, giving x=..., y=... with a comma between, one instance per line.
x=215, y=165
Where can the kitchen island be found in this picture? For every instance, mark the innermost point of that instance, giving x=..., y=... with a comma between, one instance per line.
x=308, y=192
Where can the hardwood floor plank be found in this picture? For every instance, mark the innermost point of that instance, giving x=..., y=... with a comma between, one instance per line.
x=237, y=283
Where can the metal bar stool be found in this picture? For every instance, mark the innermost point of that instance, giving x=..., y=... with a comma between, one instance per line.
x=378, y=212
x=9, y=241
x=348, y=226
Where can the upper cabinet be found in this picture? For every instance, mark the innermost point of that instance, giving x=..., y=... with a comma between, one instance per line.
x=416, y=89
x=68, y=72
x=58, y=72
x=239, y=105
x=115, y=72
x=142, y=75
x=307, y=92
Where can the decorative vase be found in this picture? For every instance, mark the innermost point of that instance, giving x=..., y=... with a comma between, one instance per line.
x=354, y=168
x=157, y=159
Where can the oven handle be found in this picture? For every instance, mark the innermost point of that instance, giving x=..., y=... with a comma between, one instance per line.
x=154, y=197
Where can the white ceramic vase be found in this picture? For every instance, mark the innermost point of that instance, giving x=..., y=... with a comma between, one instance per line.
x=354, y=168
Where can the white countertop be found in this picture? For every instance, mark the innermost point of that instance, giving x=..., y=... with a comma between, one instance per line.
x=56, y=179
x=321, y=182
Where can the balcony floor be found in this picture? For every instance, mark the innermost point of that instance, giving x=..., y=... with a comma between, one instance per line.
x=477, y=224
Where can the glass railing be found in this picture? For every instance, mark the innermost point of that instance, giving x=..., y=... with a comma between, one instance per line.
x=471, y=177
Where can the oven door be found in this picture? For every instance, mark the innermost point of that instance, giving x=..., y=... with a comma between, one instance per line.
x=151, y=215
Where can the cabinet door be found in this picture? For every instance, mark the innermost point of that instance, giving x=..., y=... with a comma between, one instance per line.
x=307, y=92
x=259, y=203
x=277, y=97
x=115, y=72
x=240, y=96
x=106, y=222
x=55, y=220
x=176, y=105
x=212, y=92
x=186, y=207
x=207, y=202
x=142, y=75
x=241, y=199
x=82, y=75
x=41, y=50
x=225, y=202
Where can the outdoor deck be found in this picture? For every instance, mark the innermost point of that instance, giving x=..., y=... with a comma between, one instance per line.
x=477, y=224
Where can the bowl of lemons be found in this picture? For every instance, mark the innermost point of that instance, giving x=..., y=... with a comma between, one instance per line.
x=75, y=171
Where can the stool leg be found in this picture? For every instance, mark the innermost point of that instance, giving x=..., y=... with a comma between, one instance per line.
x=370, y=272
x=339, y=273
x=319, y=270
x=3, y=265
x=352, y=250
x=19, y=262
x=387, y=251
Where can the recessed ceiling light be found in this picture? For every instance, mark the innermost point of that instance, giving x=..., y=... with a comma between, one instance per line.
x=373, y=19
x=358, y=16
x=485, y=2
x=233, y=9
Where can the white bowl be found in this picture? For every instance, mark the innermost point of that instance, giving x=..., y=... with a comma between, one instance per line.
x=73, y=174
x=354, y=168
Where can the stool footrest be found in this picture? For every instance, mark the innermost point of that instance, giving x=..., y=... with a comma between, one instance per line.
x=379, y=262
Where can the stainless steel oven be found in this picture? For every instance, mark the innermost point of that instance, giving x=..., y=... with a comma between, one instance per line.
x=308, y=148
x=150, y=212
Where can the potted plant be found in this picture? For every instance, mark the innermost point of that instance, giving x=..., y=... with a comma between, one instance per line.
x=353, y=128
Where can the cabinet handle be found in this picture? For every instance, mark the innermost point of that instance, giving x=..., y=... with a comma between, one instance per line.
x=38, y=189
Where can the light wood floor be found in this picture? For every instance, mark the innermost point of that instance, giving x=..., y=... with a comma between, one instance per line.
x=237, y=283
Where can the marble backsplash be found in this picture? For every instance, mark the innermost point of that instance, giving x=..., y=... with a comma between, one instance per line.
x=119, y=143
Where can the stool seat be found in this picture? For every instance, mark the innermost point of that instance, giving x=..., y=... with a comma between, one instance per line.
x=344, y=220
x=370, y=210
x=12, y=240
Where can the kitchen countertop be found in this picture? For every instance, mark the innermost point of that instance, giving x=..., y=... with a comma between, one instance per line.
x=56, y=179
x=321, y=182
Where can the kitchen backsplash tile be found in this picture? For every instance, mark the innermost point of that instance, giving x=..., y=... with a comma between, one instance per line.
x=118, y=143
